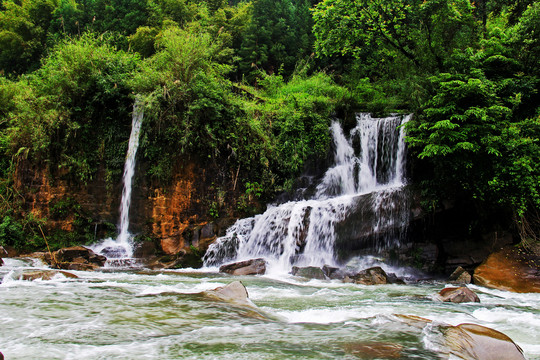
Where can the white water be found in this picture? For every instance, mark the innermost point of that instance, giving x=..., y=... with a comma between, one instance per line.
x=369, y=168
x=122, y=246
x=153, y=315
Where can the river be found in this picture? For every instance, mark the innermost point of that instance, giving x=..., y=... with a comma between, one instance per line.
x=161, y=315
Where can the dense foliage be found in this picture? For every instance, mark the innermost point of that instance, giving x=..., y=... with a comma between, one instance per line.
x=252, y=85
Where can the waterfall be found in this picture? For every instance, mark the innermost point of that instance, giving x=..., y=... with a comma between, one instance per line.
x=360, y=197
x=122, y=246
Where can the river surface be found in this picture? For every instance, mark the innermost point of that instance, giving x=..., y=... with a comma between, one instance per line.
x=160, y=315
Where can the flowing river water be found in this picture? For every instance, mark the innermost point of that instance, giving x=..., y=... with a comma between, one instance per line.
x=142, y=314
x=161, y=315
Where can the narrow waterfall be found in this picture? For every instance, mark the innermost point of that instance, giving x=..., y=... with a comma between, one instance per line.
x=360, y=202
x=122, y=246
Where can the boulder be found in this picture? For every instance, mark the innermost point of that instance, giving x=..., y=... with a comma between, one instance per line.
x=77, y=258
x=468, y=341
x=45, y=275
x=310, y=272
x=457, y=295
x=471, y=341
x=460, y=276
x=248, y=267
x=372, y=276
x=511, y=269
x=234, y=292
x=332, y=272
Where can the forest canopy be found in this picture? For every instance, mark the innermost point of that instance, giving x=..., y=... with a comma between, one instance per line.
x=262, y=79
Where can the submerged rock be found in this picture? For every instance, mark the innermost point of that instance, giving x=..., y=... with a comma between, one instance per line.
x=457, y=295
x=45, y=275
x=310, y=272
x=372, y=276
x=511, y=269
x=374, y=350
x=460, y=276
x=77, y=258
x=248, y=267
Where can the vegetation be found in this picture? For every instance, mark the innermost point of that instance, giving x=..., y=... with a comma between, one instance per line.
x=252, y=85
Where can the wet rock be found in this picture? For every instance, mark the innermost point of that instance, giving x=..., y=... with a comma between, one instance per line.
x=310, y=272
x=248, y=267
x=460, y=276
x=511, y=269
x=3, y=253
x=234, y=292
x=45, y=275
x=332, y=272
x=374, y=350
x=372, y=276
x=457, y=295
x=468, y=341
x=475, y=342
x=394, y=279
x=77, y=258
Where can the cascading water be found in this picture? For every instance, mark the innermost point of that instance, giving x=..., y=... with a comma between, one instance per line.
x=366, y=184
x=122, y=247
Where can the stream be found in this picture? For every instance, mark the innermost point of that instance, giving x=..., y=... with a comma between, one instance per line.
x=161, y=315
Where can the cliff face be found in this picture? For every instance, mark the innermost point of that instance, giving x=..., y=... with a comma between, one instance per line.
x=176, y=216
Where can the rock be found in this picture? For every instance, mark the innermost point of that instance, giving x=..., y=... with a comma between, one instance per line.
x=394, y=279
x=332, y=272
x=469, y=341
x=310, y=272
x=3, y=253
x=374, y=350
x=475, y=342
x=78, y=258
x=372, y=276
x=457, y=295
x=248, y=267
x=45, y=275
x=234, y=292
x=511, y=269
x=460, y=276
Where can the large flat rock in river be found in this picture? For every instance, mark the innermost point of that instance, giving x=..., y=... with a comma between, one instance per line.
x=511, y=269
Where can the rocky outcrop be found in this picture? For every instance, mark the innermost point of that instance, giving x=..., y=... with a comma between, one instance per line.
x=460, y=276
x=511, y=269
x=372, y=276
x=45, y=275
x=457, y=295
x=77, y=258
x=248, y=267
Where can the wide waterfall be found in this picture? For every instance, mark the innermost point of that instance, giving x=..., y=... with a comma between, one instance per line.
x=359, y=203
x=122, y=247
